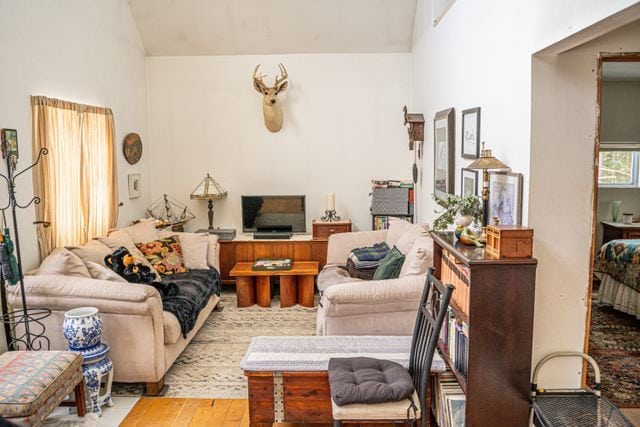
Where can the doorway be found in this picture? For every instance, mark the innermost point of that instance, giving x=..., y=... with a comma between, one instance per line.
x=613, y=311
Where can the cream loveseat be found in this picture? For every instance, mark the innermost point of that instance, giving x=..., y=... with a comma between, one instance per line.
x=351, y=306
x=144, y=340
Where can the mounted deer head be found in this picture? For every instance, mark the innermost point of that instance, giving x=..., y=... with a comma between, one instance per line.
x=270, y=103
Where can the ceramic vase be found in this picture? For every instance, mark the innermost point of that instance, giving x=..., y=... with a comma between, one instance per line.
x=615, y=210
x=82, y=328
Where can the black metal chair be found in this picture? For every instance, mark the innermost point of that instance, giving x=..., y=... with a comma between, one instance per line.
x=431, y=313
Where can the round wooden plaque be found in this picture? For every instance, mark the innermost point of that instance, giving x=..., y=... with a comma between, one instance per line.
x=132, y=148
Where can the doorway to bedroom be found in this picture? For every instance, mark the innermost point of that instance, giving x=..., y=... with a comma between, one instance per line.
x=613, y=337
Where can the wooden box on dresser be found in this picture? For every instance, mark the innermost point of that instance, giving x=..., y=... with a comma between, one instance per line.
x=495, y=297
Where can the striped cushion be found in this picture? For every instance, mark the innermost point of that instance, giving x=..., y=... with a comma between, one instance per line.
x=35, y=382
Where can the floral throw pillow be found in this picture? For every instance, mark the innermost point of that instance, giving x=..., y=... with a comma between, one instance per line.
x=165, y=255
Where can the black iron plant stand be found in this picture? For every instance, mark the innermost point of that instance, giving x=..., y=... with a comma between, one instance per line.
x=24, y=328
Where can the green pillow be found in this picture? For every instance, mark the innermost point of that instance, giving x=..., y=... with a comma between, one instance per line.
x=390, y=265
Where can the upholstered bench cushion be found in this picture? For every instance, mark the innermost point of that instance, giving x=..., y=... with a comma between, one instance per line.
x=400, y=410
x=293, y=354
x=368, y=380
x=32, y=383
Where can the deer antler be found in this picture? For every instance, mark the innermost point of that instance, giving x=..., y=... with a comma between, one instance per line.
x=283, y=75
x=257, y=78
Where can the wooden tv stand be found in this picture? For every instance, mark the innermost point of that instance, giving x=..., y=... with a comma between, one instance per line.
x=244, y=248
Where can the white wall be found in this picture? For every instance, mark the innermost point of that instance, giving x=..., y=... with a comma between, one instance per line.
x=343, y=126
x=87, y=52
x=480, y=54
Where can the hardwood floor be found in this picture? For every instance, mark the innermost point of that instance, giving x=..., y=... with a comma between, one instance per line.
x=164, y=411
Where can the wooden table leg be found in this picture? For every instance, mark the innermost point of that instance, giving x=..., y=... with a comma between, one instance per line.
x=288, y=291
x=263, y=291
x=245, y=291
x=306, y=289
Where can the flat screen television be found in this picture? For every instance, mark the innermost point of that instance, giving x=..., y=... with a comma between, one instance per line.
x=273, y=213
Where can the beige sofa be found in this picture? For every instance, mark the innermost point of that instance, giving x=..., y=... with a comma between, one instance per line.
x=144, y=340
x=351, y=306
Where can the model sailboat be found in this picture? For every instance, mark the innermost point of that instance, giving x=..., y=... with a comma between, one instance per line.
x=168, y=211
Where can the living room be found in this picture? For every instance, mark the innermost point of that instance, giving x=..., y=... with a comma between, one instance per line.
x=180, y=75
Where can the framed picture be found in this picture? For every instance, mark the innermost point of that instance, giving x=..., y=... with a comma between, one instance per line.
x=444, y=152
x=468, y=182
x=9, y=141
x=471, y=133
x=134, y=185
x=505, y=198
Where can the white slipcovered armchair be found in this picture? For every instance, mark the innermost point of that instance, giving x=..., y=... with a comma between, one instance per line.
x=350, y=306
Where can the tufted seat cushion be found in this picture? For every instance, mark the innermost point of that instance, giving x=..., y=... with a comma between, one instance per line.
x=368, y=380
x=33, y=383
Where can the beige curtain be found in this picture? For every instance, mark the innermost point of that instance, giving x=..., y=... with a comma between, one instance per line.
x=77, y=180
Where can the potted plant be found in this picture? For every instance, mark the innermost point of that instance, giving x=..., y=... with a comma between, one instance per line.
x=461, y=210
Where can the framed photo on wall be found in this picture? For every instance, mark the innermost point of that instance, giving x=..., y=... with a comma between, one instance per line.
x=134, y=185
x=468, y=182
x=471, y=133
x=505, y=198
x=444, y=152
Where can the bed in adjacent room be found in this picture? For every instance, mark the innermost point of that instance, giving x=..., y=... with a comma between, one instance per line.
x=617, y=265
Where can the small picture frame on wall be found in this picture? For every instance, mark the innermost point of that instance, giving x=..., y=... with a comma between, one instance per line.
x=471, y=133
x=444, y=152
x=9, y=145
x=468, y=182
x=134, y=185
x=505, y=198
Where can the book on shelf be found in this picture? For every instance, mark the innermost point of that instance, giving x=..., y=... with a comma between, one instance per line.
x=264, y=264
x=455, y=339
x=449, y=401
x=381, y=222
x=391, y=183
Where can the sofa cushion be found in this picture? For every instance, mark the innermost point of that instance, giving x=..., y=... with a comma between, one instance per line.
x=195, y=247
x=143, y=231
x=419, y=258
x=406, y=240
x=63, y=262
x=397, y=227
x=121, y=239
x=390, y=265
x=92, y=251
x=101, y=272
x=171, y=327
x=334, y=275
x=165, y=255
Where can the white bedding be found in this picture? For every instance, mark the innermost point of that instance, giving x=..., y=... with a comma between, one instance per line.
x=619, y=295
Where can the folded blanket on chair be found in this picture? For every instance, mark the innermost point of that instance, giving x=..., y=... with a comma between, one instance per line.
x=369, y=256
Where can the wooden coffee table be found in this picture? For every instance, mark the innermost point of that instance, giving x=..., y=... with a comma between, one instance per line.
x=296, y=285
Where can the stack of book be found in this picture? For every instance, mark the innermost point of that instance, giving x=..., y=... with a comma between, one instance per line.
x=455, y=337
x=449, y=401
x=265, y=264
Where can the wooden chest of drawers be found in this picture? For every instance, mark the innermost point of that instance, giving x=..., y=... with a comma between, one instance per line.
x=322, y=230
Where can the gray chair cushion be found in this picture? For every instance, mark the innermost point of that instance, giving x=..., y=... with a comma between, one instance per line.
x=368, y=380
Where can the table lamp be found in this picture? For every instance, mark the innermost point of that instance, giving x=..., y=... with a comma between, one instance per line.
x=485, y=163
x=209, y=190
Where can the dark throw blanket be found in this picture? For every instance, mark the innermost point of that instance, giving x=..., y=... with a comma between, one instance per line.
x=185, y=294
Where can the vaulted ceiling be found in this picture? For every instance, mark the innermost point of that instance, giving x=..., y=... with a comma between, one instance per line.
x=237, y=27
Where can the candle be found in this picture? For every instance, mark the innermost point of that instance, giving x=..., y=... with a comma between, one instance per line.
x=331, y=202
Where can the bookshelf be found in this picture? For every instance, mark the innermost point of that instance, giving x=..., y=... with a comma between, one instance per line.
x=391, y=198
x=493, y=304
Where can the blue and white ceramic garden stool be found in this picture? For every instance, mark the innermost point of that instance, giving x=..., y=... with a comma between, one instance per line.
x=83, y=330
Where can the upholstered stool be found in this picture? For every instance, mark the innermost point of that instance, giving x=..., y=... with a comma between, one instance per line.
x=33, y=383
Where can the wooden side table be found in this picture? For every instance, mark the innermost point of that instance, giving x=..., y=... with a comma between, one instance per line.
x=296, y=284
x=322, y=230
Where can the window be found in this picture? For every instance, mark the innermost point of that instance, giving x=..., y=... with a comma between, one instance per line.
x=618, y=169
x=77, y=180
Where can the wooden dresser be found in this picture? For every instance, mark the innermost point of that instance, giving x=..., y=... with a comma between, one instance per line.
x=495, y=298
x=322, y=230
x=618, y=230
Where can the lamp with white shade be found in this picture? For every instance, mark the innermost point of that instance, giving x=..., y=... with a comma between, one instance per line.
x=209, y=190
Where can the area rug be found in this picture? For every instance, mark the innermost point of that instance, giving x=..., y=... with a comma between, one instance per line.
x=614, y=343
x=210, y=365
